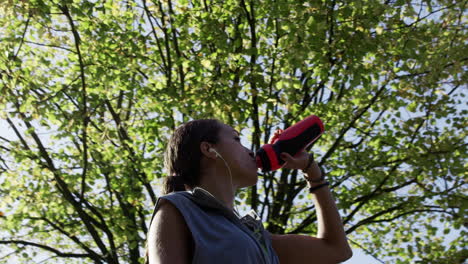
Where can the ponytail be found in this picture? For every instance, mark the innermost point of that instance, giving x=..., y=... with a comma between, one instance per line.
x=173, y=184
x=182, y=157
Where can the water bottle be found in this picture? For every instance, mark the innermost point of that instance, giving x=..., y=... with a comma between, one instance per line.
x=292, y=141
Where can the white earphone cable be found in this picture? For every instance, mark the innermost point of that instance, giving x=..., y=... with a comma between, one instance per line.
x=236, y=211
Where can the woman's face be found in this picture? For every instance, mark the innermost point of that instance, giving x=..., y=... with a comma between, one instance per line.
x=239, y=158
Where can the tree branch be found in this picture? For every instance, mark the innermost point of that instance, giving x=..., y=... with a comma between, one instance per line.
x=22, y=37
x=351, y=124
x=76, y=37
x=93, y=255
x=51, y=249
x=49, y=46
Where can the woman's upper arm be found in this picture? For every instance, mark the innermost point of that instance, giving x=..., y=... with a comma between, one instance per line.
x=169, y=239
x=301, y=249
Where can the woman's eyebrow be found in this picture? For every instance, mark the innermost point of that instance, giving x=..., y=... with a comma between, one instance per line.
x=236, y=132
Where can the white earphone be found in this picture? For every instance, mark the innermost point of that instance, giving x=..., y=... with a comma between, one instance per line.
x=213, y=150
x=229, y=170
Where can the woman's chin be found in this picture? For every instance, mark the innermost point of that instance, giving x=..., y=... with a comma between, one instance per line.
x=250, y=179
x=254, y=178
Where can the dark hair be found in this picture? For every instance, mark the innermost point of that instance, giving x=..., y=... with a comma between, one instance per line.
x=182, y=156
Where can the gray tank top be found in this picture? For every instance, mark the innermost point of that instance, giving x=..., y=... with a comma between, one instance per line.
x=219, y=235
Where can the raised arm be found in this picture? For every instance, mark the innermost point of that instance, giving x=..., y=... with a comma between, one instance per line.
x=169, y=239
x=330, y=245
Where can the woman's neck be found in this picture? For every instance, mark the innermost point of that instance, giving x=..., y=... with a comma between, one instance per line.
x=219, y=187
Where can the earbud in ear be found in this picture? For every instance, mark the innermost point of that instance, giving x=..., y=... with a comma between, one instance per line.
x=214, y=151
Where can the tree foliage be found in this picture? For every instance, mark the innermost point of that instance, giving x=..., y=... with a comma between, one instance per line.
x=90, y=91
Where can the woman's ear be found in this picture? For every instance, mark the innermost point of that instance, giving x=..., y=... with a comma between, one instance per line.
x=207, y=150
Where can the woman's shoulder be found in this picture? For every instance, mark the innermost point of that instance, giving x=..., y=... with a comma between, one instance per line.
x=168, y=214
x=169, y=235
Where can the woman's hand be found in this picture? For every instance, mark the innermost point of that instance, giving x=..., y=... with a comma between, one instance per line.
x=299, y=161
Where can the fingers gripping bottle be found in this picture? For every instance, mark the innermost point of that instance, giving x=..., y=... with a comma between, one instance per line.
x=292, y=141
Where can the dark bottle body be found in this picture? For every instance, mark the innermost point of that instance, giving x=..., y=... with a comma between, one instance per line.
x=292, y=141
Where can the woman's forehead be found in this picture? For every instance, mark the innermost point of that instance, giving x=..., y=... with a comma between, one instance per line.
x=229, y=130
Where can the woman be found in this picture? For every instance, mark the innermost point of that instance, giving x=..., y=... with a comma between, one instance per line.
x=195, y=222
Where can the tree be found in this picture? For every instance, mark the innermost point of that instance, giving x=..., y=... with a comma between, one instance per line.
x=92, y=90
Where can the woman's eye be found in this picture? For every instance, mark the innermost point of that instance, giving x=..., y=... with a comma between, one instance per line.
x=237, y=138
